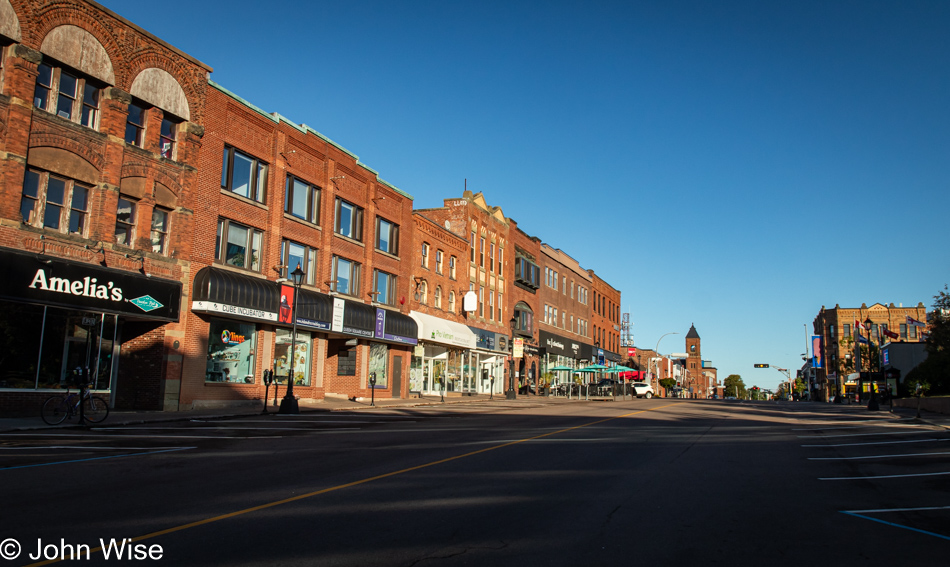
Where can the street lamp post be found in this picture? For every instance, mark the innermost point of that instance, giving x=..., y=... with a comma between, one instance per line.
x=511, y=394
x=289, y=403
x=656, y=382
x=872, y=401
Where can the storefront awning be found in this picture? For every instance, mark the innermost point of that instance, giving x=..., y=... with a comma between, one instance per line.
x=234, y=295
x=436, y=330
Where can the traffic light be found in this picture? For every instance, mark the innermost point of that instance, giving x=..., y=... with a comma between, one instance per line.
x=760, y=365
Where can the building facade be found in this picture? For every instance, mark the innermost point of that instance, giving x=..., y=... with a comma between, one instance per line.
x=840, y=330
x=565, y=298
x=102, y=124
x=605, y=319
x=482, y=276
x=275, y=197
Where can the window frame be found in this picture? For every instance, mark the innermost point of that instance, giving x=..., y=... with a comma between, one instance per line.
x=168, y=134
x=255, y=236
x=257, y=183
x=391, y=286
x=40, y=203
x=314, y=199
x=80, y=99
x=393, y=236
x=310, y=264
x=356, y=221
x=162, y=232
x=453, y=261
x=353, y=287
x=135, y=132
x=127, y=225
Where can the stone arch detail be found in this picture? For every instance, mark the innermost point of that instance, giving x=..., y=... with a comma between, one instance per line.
x=156, y=63
x=83, y=150
x=79, y=49
x=9, y=22
x=64, y=162
x=142, y=170
x=159, y=88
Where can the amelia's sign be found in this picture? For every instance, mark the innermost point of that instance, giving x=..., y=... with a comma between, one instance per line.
x=41, y=279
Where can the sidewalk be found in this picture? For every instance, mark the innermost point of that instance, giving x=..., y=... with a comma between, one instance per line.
x=330, y=404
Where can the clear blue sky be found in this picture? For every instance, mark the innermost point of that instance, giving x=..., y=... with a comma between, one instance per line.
x=736, y=165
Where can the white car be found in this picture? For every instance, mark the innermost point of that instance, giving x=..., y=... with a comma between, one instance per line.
x=642, y=390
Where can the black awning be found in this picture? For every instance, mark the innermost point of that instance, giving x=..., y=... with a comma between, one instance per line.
x=234, y=295
x=400, y=328
x=314, y=310
x=359, y=319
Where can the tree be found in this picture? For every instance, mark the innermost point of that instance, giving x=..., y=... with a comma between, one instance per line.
x=733, y=386
x=668, y=383
x=933, y=374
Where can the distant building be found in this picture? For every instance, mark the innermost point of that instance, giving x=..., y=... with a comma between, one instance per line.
x=839, y=330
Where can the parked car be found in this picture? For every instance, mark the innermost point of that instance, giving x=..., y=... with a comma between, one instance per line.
x=642, y=390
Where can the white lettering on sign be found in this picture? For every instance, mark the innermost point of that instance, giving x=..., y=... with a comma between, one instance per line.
x=555, y=344
x=86, y=287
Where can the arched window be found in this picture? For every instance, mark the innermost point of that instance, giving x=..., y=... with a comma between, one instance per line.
x=452, y=301
x=438, y=297
x=424, y=292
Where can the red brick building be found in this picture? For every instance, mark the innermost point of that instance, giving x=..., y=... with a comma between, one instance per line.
x=838, y=331
x=101, y=125
x=605, y=318
x=566, y=297
x=473, y=359
x=274, y=196
x=525, y=301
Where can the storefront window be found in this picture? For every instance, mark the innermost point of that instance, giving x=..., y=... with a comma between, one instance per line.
x=43, y=345
x=379, y=363
x=232, y=347
x=300, y=359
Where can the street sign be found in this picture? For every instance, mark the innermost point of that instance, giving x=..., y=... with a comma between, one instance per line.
x=761, y=365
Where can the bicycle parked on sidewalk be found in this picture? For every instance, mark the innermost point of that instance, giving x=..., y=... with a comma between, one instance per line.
x=58, y=408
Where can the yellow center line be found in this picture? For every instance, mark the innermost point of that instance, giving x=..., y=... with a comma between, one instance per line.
x=357, y=483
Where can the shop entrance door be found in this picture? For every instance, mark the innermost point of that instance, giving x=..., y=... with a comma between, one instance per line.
x=88, y=345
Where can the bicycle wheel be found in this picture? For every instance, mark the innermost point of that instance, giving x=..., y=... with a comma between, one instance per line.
x=95, y=410
x=55, y=409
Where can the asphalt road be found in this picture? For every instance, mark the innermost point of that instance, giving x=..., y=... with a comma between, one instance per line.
x=652, y=482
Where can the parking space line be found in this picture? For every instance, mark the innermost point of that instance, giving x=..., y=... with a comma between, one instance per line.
x=861, y=514
x=877, y=457
x=95, y=459
x=883, y=476
x=929, y=431
x=879, y=443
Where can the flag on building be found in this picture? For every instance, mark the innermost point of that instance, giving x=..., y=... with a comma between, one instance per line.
x=862, y=340
x=860, y=325
x=915, y=322
x=891, y=334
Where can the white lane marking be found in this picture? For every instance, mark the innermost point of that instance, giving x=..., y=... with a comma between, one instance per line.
x=113, y=436
x=146, y=428
x=884, y=476
x=886, y=510
x=879, y=443
x=83, y=448
x=876, y=457
x=888, y=424
x=264, y=425
x=867, y=434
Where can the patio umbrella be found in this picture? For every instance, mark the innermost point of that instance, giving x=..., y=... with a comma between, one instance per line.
x=560, y=368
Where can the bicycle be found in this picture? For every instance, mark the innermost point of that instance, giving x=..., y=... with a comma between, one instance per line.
x=57, y=409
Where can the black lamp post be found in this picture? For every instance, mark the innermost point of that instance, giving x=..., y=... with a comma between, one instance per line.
x=511, y=394
x=289, y=403
x=872, y=401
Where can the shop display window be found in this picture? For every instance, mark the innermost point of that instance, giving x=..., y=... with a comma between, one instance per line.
x=232, y=347
x=298, y=360
x=379, y=363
